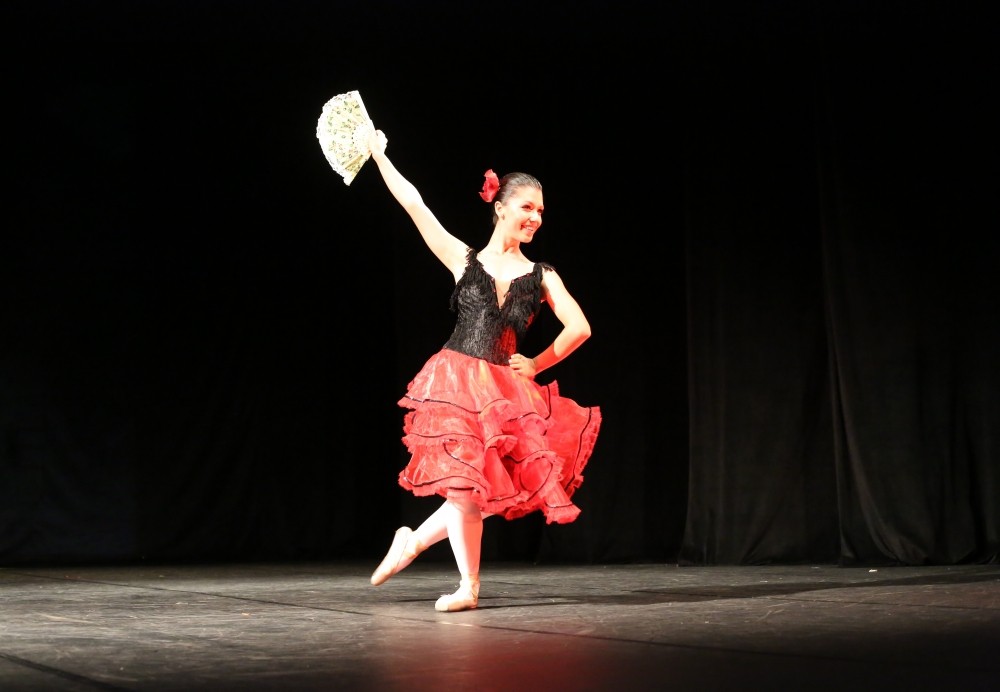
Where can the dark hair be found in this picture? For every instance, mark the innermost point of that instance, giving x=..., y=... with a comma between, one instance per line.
x=509, y=184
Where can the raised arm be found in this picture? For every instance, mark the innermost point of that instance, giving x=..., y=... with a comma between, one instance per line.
x=446, y=247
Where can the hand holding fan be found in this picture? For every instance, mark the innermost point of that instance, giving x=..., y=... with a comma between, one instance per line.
x=342, y=131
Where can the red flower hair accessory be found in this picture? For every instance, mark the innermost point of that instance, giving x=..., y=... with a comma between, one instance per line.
x=490, y=186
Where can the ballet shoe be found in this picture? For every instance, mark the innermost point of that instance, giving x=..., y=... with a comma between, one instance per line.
x=466, y=598
x=401, y=553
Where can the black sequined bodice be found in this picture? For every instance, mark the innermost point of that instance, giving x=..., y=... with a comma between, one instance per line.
x=484, y=328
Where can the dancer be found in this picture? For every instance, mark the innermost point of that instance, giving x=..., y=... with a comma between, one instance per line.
x=481, y=433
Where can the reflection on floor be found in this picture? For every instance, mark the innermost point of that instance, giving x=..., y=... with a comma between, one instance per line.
x=320, y=626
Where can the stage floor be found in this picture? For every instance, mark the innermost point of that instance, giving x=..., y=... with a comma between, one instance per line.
x=312, y=626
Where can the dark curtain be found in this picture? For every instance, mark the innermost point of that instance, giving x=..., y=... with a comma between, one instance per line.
x=843, y=291
x=776, y=215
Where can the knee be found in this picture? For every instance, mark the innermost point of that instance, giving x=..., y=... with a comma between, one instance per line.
x=467, y=508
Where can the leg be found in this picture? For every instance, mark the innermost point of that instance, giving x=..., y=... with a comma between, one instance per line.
x=435, y=527
x=465, y=533
x=407, y=544
x=402, y=552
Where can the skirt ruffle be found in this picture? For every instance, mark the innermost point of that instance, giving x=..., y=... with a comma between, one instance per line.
x=480, y=432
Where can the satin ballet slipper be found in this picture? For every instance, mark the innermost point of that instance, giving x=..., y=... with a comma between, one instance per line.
x=401, y=553
x=466, y=598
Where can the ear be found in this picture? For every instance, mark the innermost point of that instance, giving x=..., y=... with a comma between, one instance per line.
x=497, y=207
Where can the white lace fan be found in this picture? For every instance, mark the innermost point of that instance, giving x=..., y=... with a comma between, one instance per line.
x=342, y=131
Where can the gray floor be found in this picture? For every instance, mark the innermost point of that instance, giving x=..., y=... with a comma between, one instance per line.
x=622, y=627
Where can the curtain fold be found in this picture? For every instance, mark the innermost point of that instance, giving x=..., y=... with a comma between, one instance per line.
x=909, y=299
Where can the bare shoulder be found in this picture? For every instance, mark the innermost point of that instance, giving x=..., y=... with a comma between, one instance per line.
x=552, y=284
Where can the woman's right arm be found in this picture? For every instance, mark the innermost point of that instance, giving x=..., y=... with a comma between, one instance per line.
x=446, y=247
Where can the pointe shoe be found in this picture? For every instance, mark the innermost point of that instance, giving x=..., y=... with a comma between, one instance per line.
x=401, y=553
x=466, y=598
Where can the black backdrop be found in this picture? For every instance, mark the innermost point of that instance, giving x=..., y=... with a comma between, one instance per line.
x=777, y=215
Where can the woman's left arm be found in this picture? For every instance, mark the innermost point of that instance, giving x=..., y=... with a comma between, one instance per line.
x=576, y=328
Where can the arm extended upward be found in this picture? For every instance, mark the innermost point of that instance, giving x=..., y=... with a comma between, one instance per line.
x=446, y=247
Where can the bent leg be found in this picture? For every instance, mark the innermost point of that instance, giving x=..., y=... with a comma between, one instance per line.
x=407, y=543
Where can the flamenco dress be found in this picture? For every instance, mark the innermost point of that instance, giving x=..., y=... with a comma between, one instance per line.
x=478, y=431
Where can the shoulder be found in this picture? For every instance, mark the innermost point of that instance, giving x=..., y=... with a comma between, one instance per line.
x=543, y=270
x=471, y=263
x=550, y=282
x=471, y=260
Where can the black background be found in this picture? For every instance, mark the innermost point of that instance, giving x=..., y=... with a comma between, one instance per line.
x=778, y=216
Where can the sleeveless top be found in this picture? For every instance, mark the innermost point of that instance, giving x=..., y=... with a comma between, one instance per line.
x=484, y=328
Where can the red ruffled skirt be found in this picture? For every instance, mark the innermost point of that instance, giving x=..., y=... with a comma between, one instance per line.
x=478, y=431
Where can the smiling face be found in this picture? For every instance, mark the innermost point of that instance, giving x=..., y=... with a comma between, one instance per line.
x=521, y=213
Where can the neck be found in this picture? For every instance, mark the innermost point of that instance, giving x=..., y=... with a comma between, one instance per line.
x=502, y=245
